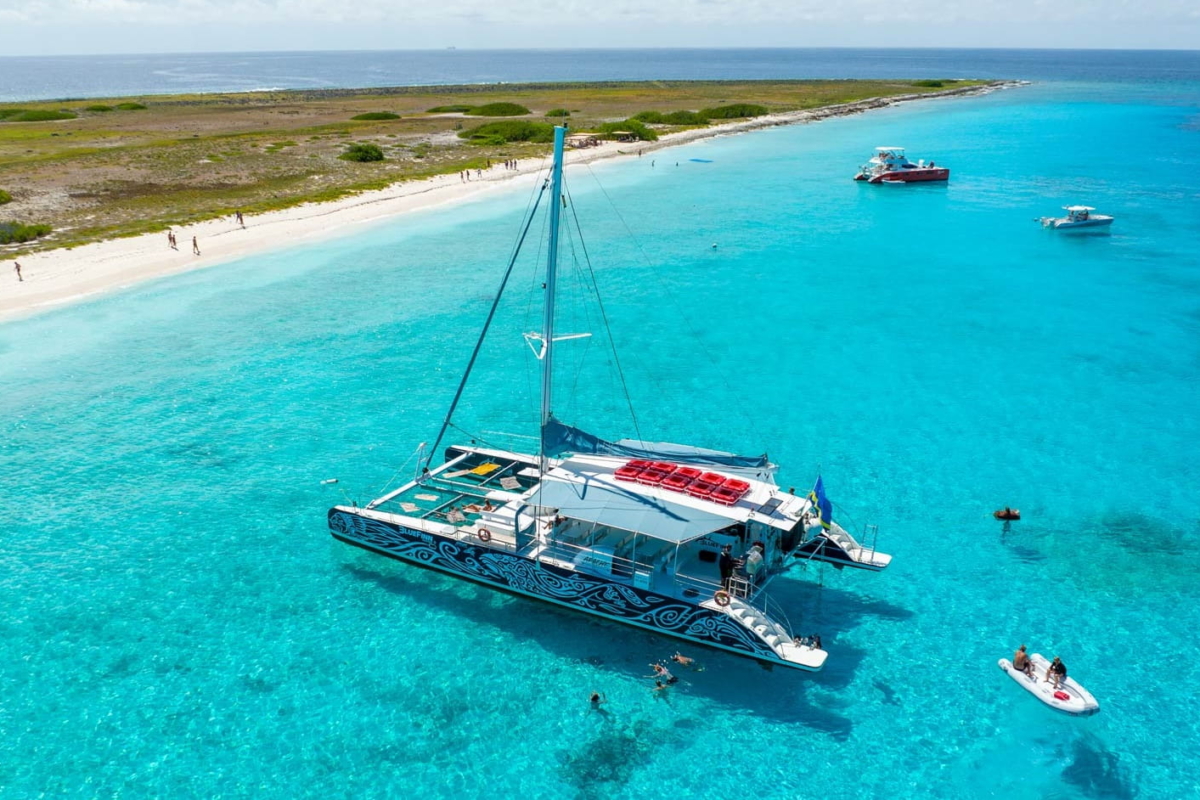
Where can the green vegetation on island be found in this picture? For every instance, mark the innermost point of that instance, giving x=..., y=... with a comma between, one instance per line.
x=34, y=115
x=5, y=197
x=13, y=231
x=499, y=110
x=92, y=174
x=362, y=153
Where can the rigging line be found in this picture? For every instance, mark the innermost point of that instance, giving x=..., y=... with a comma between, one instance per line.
x=686, y=319
x=488, y=323
x=604, y=314
x=387, y=486
x=587, y=316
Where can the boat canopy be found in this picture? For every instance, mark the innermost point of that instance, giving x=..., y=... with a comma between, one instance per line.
x=889, y=149
x=1079, y=208
x=558, y=438
x=616, y=507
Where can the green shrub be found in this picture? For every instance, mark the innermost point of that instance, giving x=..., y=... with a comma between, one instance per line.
x=499, y=110
x=130, y=107
x=639, y=130
x=370, y=115
x=17, y=232
x=27, y=115
x=929, y=84
x=558, y=112
x=362, y=153
x=5, y=197
x=510, y=131
x=99, y=109
x=671, y=118
x=450, y=109
x=735, y=111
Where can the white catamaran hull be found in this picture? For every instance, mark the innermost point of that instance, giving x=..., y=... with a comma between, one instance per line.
x=708, y=626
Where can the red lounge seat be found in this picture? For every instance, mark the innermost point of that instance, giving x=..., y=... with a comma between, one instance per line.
x=700, y=489
x=725, y=496
x=627, y=473
x=664, y=466
x=741, y=487
x=640, y=463
x=688, y=472
x=676, y=481
x=713, y=478
x=651, y=477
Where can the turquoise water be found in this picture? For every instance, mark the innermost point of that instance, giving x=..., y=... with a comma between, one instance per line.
x=178, y=621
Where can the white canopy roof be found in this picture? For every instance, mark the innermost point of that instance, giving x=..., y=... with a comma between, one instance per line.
x=1079, y=208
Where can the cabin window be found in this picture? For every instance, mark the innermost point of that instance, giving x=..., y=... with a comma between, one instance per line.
x=708, y=556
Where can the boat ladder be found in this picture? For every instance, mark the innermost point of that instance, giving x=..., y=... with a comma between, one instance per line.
x=755, y=620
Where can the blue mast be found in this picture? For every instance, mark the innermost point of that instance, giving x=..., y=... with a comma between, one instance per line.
x=556, y=204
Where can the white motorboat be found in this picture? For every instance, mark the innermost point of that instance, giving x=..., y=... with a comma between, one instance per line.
x=1069, y=697
x=1077, y=217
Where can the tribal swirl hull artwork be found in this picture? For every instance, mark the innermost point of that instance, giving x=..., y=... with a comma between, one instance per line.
x=523, y=575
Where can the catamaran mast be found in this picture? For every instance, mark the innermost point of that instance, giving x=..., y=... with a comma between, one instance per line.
x=556, y=202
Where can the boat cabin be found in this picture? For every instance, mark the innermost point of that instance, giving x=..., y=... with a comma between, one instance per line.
x=654, y=525
x=1078, y=213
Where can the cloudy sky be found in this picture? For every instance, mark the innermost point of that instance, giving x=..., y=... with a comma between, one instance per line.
x=54, y=27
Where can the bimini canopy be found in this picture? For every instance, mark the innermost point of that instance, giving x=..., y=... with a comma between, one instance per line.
x=558, y=438
x=615, y=507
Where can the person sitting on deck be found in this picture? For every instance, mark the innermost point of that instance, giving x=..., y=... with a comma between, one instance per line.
x=1057, y=672
x=1021, y=661
x=754, y=559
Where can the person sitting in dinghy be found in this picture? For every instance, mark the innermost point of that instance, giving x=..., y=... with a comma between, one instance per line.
x=1021, y=662
x=1057, y=672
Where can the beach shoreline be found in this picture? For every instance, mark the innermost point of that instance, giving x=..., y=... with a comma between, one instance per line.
x=54, y=278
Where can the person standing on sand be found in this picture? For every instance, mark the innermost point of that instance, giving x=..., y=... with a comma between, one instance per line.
x=17, y=267
x=195, y=246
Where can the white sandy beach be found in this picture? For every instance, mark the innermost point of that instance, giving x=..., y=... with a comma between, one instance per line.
x=61, y=276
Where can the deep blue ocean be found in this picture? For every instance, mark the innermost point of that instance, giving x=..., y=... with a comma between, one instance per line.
x=56, y=77
x=177, y=621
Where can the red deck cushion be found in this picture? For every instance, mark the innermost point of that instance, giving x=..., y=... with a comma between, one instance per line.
x=627, y=473
x=676, y=481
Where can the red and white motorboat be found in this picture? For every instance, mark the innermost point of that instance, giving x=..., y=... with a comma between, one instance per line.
x=891, y=166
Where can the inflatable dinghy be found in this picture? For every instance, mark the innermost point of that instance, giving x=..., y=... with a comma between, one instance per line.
x=1069, y=698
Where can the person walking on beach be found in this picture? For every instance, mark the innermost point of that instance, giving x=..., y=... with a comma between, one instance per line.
x=240, y=220
x=17, y=267
x=195, y=246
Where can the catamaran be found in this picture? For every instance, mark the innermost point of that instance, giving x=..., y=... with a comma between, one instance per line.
x=676, y=539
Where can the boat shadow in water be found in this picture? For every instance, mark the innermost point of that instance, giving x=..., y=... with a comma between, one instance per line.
x=777, y=693
x=1097, y=772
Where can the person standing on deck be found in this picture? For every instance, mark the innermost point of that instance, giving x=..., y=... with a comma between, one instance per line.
x=725, y=564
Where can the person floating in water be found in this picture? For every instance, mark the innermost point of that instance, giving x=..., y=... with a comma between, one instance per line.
x=1021, y=661
x=1057, y=672
x=662, y=674
x=683, y=660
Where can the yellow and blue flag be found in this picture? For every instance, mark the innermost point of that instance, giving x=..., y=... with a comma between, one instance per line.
x=822, y=504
